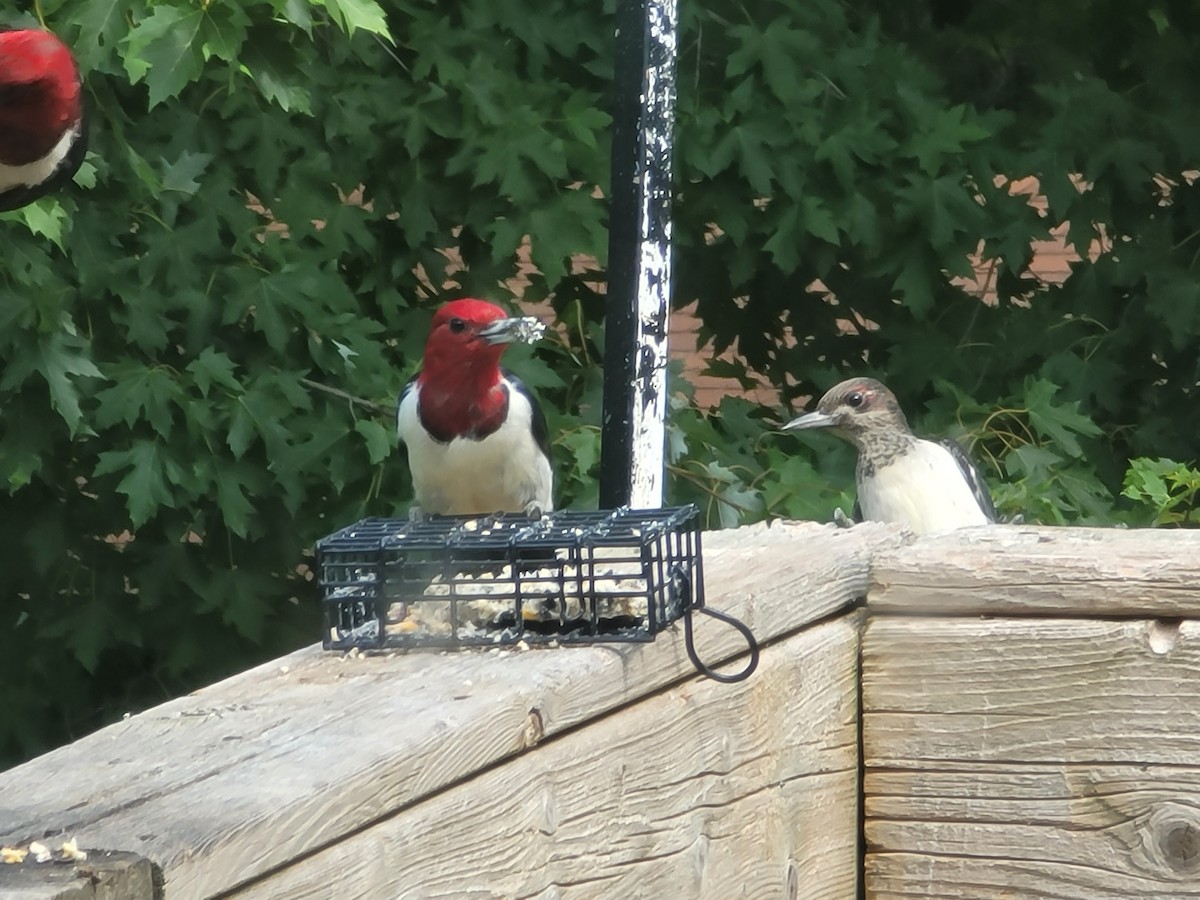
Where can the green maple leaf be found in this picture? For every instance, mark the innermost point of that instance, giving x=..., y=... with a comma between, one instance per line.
x=379, y=440
x=137, y=393
x=59, y=364
x=101, y=25
x=182, y=174
x=231, y=498
x=1060, y=422
x=352, y=15
x=147, y=482
x=213, y=367
x=224, y=30
x=46, y=218
x=165, y=51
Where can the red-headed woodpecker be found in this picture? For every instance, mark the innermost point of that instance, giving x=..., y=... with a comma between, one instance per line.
x=41, y=116
x=928, y=486
x=477, y=439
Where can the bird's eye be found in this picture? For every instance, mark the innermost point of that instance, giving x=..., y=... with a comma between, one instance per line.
x=458, y=326
x=855, y=400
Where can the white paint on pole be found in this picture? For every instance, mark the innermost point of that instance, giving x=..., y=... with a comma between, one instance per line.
x=649, y=413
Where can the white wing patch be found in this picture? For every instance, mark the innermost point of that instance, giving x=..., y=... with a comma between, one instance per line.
x=503, y=472
x=924, y=489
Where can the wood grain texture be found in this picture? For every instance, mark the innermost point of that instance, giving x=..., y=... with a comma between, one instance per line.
x=702, y=791
x=1024, y=569
x=1031, y=758
x=261, y=769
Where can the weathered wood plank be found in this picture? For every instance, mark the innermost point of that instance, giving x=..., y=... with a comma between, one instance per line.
x=1065, y=571
x=702, y=791
x=946, y=877
x=1117, y=831
x=1031, y=690
x=1031, y=758
x=256, y=771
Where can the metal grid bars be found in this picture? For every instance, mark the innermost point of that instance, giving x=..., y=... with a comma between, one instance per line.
x=569, y=577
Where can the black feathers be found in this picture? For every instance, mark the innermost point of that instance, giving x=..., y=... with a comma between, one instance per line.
x=978, y=488
x=541, y=431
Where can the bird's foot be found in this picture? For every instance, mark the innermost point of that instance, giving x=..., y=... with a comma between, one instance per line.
x=416, y=514
x=534, y=510
x=841, y=520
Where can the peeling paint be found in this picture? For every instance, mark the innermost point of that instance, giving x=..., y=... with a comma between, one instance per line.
x=649, y=408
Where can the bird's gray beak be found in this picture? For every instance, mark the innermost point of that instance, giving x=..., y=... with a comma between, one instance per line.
x=811, y=420
x=524, y=329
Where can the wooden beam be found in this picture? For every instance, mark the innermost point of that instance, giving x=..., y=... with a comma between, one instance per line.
x=255, y=772
x=702, y=791
x=1031, y=757
x=1026, y=569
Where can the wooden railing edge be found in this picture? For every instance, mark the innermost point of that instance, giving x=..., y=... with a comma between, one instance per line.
x=317, y=745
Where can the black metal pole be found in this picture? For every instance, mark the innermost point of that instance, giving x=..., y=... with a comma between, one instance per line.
x=633, y=427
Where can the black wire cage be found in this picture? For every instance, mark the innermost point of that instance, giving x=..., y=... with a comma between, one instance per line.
x=568, y=577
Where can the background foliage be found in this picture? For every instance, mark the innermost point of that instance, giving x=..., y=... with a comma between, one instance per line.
x=184, y=333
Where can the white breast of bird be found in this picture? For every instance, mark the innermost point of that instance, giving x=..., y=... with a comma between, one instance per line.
x=39, y=170
x=503, y=472
x=923, y=489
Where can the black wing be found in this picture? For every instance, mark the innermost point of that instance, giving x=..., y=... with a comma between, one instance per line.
x=978, y=487
x=541, y=430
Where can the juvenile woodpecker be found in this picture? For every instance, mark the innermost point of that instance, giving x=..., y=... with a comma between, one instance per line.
x=927, y=485
x=41, y=116
x=477, y=439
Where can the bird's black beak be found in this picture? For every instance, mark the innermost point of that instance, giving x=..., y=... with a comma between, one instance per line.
x=811, y=420
x=523, y=329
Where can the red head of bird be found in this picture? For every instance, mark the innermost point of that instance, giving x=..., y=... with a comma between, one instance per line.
x=41, y=115
x=460, y=380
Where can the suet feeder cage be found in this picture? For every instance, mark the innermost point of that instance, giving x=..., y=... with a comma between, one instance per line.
x=570, y=577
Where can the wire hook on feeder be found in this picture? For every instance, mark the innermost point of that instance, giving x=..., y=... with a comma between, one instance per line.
x=697, y=606
x=742, y=627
